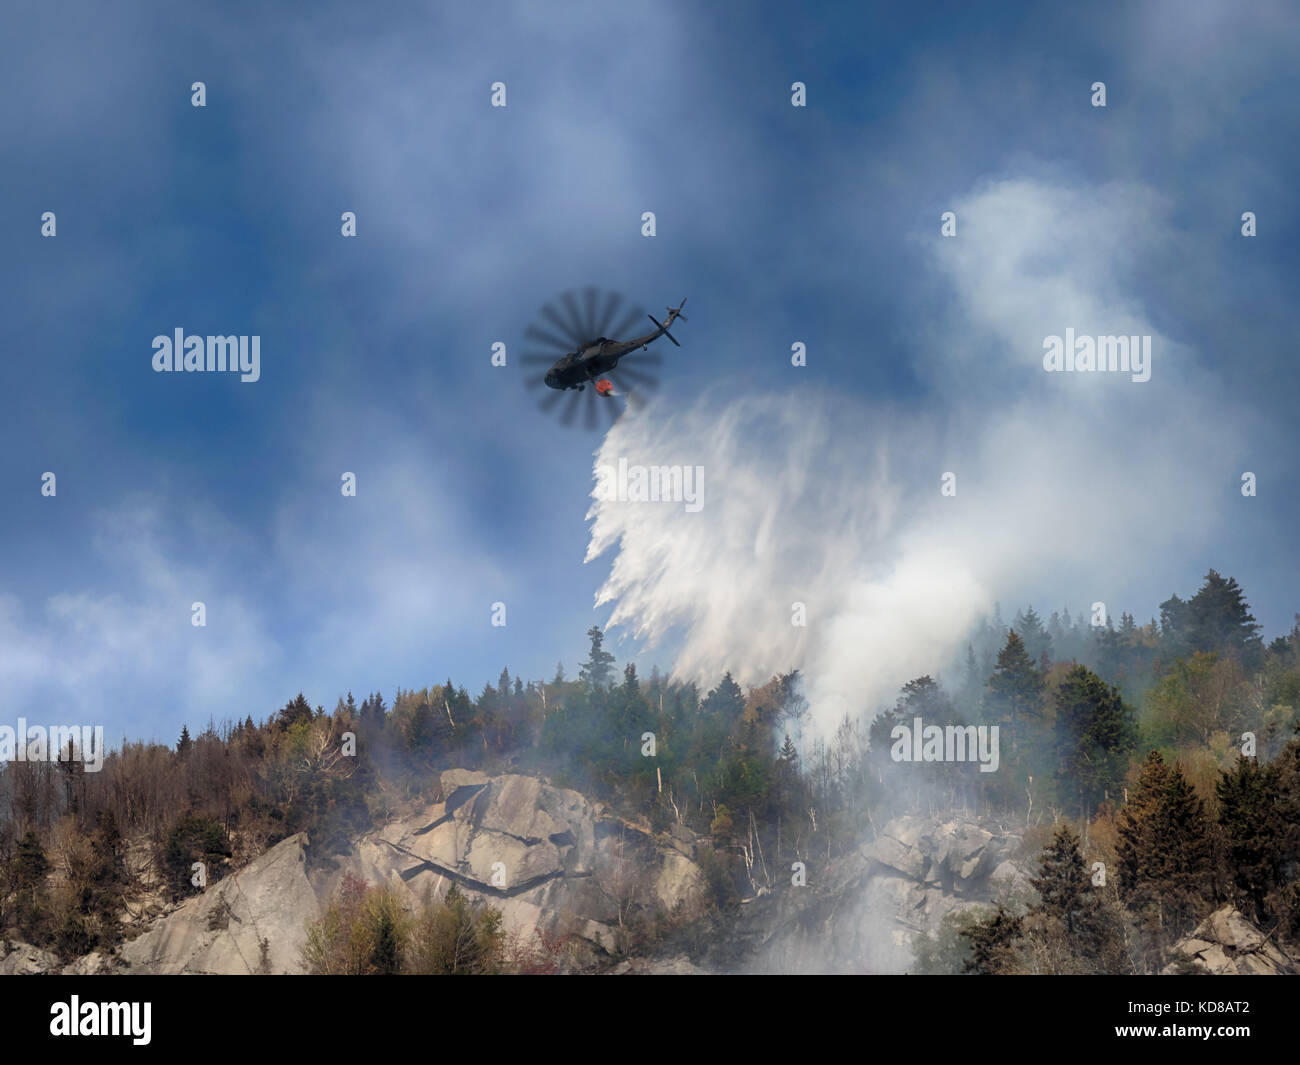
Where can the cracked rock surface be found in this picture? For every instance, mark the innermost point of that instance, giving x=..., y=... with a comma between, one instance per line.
x=547, y=858
x=1227, y=944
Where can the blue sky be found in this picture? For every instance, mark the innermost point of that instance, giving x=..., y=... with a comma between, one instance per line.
x=818, y=224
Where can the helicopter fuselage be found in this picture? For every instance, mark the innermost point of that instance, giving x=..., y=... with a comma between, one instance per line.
x=586, y=364
x=600, y=356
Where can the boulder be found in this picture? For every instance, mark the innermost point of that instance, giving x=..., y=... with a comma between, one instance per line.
x=23, y=959
x=1009, y=880
x=1227, y=944
x=895, y=854
x=252, y=921
x=953, y=855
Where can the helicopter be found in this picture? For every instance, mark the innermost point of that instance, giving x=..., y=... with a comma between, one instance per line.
x=600, y=356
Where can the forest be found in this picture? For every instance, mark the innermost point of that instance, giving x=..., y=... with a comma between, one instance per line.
x=1168, y=751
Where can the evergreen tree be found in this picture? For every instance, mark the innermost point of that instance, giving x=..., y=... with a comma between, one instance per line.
x=1038, y=642
x=193, y=839
x=1137, y=820
x=386, y=930
x=107, y=878
x=373, y=712
x=295, y=711
x=598, y=670
x=1016, y=690
x=1055, y=629
x=1095, y=730
x=1078, y=930
x=993, y=943
x=1062, y=882
x=1184, y=857
x=30, y=867
x=1250, y=814
x=1220, y=619
x=631, y=685
x=786, y=788
x=1216, y=618
x=726, y=703
x=1165, y=854
x=1175, y=626
x=184, y=744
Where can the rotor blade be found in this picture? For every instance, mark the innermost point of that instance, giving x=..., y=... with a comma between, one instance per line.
x=611, y=409
x=626, y=322
x=672, y=338
x=575, y=316
x=553, y=316
x=547, y=403
x=591, y=413
x=536, y=381
x=537, y=358
x=571, y=408
x=589, y=311
x=558, y=342
x=626, y=373
x=605, y=320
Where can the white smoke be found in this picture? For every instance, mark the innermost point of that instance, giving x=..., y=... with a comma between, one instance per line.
x=1066, y=484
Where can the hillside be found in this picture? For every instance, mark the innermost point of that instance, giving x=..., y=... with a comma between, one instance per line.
x=1092, y=815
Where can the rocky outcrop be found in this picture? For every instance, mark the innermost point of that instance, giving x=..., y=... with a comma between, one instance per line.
x=544, y=856
x=956, y=856
x=23, y=959
x=864, y=912
x=1227, y=944
x=555, y=863
x=548, y=859
x=253, y=921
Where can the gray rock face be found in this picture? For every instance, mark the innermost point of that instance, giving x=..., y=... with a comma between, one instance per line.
x=26, y=960
x=1226, y=944
x=223, y=930
x=955, y=855
x=544, y=856
x=873, y=904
